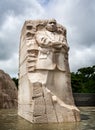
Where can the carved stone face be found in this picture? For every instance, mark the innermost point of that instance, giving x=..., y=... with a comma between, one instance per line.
x=51, y=25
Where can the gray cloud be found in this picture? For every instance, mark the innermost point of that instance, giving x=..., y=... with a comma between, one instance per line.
x=8, y=37
x=83, y=18
x=78, y=17
x=18, y=8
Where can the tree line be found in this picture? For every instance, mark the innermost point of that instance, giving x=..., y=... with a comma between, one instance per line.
x=82, y=81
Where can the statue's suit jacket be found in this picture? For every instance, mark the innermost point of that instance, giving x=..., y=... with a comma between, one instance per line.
x=48, y=58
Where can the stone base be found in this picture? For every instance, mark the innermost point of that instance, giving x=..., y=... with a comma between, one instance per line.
x=25, y=111
x=47, y=108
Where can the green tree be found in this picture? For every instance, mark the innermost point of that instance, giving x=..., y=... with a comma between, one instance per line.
x=16, y=81
x=83, y=81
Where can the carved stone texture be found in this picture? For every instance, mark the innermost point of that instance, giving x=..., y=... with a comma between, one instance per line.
x=45, y=93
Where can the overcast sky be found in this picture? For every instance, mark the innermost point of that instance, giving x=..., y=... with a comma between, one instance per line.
x=78, y=16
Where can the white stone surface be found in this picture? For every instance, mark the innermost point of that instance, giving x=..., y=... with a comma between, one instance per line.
x=45, y=93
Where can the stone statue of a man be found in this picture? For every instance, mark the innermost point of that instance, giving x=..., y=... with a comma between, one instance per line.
x=53, y=47
x=53, y=56
x=44, y=75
